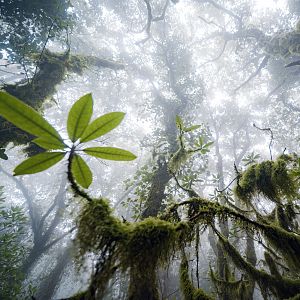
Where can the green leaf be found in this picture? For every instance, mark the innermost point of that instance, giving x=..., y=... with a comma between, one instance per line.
x=79, y=117
x=101, y=126
x=3, y=155
x=208, y=144
x=49, y=143
x=110, y=153
x=81, y=172
x=179, y=122
x=38, y=163
x=25, y=117
x=191, y=128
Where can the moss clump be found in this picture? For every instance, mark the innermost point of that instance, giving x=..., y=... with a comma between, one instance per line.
x=150, y=243
x=51, y=71
x=97, y=227
x=139, y=247
x=271, y=179
x=287, y=243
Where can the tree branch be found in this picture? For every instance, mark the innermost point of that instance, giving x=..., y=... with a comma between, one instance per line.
x=263, y=63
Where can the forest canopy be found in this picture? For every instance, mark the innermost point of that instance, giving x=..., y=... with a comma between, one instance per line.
x=203, y=203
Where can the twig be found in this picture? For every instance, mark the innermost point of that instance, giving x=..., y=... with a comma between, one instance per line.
x=76, y=189
x=190, y=192
x=229, y=184
x=227, y=11
x=43, y=50
x=151, y=19
x=271, y=137
x=210, y=22
x=257, y=71
x=218, y=56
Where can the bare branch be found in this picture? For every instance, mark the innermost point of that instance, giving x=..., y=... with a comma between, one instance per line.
x=43, y=50
x=210, y=22
x=217, y=57
x=151, y=19
x=263, y=63
x=276, y=88
x=227, y=11
x=48, y=246
x=294, y=63
x=271, y=137
x=163, y=14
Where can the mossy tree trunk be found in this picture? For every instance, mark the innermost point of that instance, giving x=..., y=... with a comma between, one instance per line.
x=51, y=69
x=140, y=287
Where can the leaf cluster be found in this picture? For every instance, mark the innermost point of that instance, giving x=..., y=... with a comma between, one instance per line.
x=80, y=130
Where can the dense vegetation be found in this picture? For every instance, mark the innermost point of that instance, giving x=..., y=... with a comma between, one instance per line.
x=212, y=209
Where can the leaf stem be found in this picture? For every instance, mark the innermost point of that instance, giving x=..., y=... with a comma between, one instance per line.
x=75, y=187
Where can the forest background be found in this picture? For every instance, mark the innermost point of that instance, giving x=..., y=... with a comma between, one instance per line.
x=210, y=89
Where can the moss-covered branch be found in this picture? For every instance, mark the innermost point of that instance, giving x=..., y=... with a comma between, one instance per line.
x=282, y=287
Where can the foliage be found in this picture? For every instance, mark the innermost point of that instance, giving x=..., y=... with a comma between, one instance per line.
x=250, y=159
x=141, y=182
x=27, y=25
x=80, y=130
x=150, y=243
x=12, y=229
x=184, y=152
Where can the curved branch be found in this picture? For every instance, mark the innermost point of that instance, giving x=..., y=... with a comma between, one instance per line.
x=263, y=63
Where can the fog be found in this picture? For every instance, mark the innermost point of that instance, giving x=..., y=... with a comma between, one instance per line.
x=209, y=89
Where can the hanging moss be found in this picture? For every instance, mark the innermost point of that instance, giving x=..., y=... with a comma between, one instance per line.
x=97, y=227
x=139, y=247
x=287, y=243
x=271, y=179
x=272, y=265
x=188, y=290
x=150, y=243
x=233, y=289
x=281, y=288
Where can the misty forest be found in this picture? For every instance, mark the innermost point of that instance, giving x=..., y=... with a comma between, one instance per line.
x=150, y=149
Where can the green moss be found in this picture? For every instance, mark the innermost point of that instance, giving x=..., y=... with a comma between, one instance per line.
x=287, y=243
x=150, y=243
x=233, y=289
x=272, y=265
x=271, y=179
x=139, y=247
x=281, y=288
x=97, y=227
x=186, y=285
